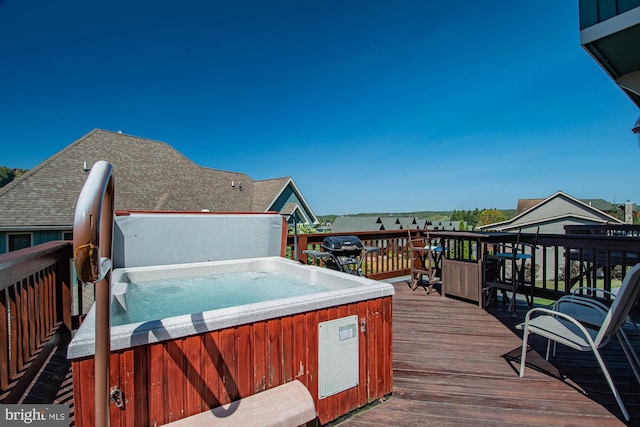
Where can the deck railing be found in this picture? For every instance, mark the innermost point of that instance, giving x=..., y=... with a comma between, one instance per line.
x=623, y=230
x=391, y=261
x=564, y=262
x=558, y=262
x=35, y=312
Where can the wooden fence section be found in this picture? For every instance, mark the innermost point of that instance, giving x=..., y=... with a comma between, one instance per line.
x=35, y=312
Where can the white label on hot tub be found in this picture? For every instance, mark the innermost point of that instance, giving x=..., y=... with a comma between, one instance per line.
x=347, y=331
x=337, y=355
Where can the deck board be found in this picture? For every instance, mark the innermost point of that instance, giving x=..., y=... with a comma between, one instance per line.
x=456, y=364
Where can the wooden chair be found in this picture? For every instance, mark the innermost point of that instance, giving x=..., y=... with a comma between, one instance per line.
x=423, y=259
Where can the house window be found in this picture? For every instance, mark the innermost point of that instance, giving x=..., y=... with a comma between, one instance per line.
x=19, y=241
x=67, y=235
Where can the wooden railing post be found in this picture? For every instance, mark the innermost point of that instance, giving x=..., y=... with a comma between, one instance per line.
x=64, y=299
x=302, y=245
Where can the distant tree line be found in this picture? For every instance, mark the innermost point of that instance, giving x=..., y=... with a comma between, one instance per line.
x=470, y=217
x=8, y=174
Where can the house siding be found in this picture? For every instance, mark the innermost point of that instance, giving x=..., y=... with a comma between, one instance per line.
x=552, y=214
x=287, y=196
x=37, y=237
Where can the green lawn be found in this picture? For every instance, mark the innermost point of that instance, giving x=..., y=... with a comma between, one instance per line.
x=615, y=283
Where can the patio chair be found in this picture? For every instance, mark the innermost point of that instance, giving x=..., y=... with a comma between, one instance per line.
x=423, y=261
x=591, y=312
x=591, y=294
x=562, y=328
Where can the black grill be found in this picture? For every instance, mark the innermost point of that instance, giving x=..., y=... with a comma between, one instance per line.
x=342, y=253
x=342, y=245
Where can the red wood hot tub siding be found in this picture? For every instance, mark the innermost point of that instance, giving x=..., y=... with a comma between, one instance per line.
x=173, y=379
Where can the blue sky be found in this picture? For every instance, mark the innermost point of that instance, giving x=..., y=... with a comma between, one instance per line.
x=370, y=106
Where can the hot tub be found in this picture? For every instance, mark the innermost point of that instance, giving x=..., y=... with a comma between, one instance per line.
x=169, y=368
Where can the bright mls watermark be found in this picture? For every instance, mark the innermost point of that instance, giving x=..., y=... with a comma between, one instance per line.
x=37, y=415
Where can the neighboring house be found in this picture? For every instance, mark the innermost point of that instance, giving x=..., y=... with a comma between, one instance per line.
x=410, y=222
x=148, y=175
x=350, y=224
x=421, y=223
x=346, y=224
x=391, y=223
x=600, y=204
x=550, y=215
x=449, y=226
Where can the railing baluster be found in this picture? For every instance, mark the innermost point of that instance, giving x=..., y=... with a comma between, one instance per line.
x=32, y=315
x=4, y=340
x=24, y=322
x=46, y=302
x=14, y=328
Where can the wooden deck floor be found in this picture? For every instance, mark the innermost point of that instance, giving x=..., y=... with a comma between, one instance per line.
x=456, y=364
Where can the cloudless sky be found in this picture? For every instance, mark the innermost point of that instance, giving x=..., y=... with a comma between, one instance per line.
x=371, y=106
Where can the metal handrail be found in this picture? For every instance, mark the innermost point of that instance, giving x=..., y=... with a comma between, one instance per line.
x=92, y=250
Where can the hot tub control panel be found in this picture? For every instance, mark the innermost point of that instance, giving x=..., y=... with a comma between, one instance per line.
x=337, y=355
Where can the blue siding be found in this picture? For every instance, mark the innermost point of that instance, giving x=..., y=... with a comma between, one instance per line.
x=289, y=196
x=46, y=236
x=37, y=237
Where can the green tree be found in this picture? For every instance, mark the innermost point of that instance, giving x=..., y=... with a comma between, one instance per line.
x=470, y=217
x=490, y=216
x=303, y=229
x=6, y=175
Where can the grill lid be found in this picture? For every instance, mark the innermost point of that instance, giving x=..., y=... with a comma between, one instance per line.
x=342, y=243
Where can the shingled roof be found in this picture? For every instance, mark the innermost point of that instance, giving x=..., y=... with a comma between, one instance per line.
x=148, y=175
x=344, y=224
x=600, y=204
x=265, y=191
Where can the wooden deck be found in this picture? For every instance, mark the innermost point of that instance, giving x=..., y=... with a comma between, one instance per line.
x=456, y=364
